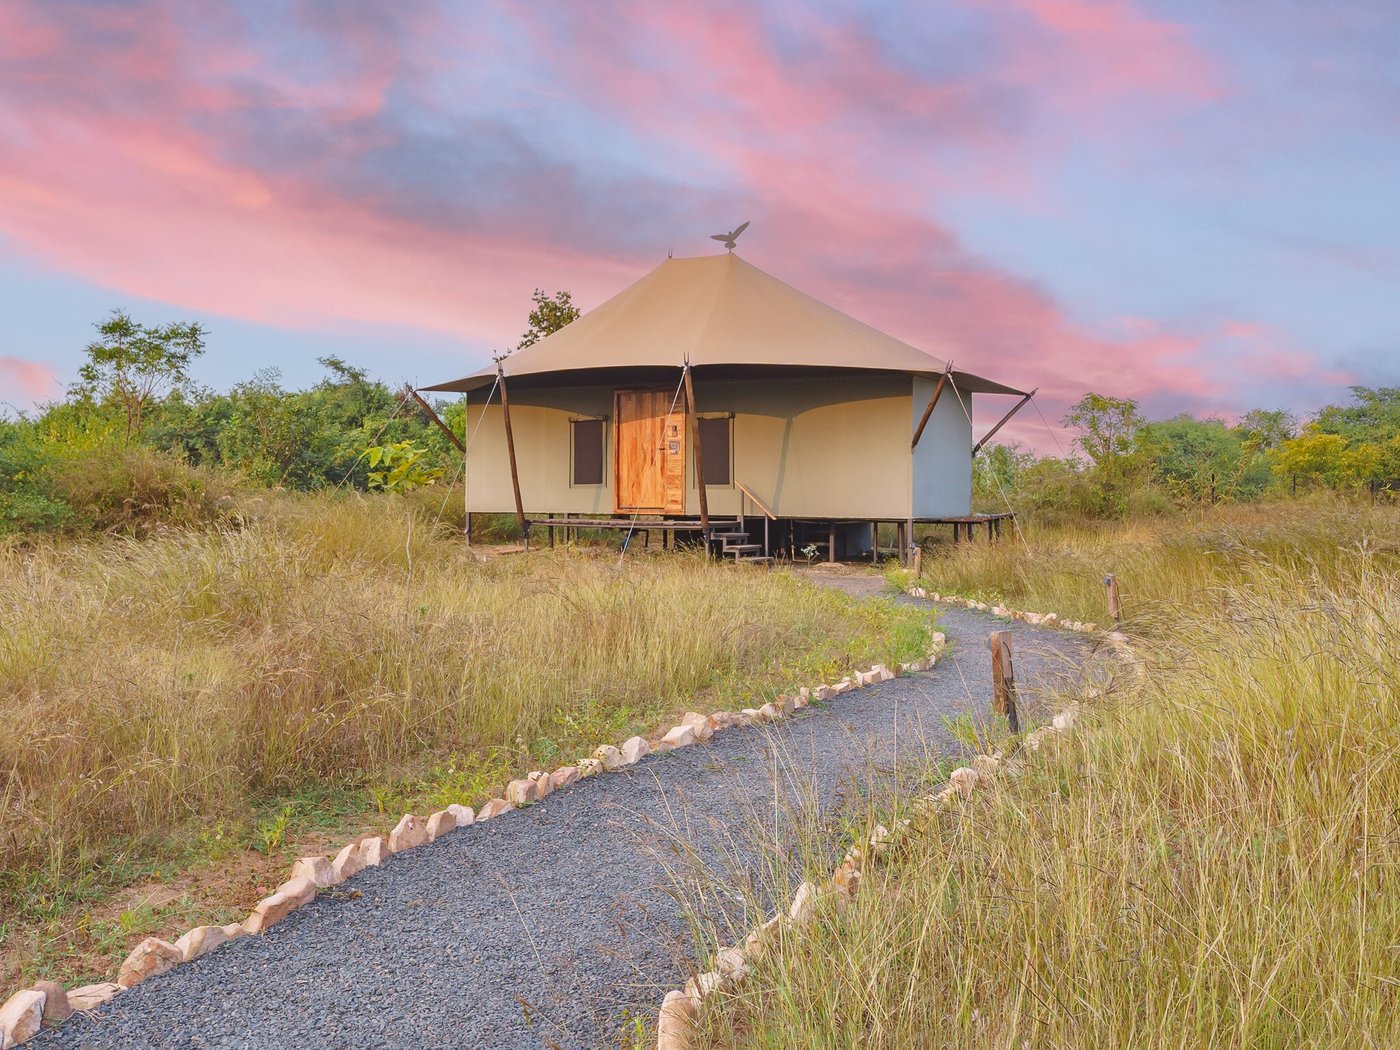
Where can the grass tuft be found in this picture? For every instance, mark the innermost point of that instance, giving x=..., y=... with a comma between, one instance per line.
x=1212, y=860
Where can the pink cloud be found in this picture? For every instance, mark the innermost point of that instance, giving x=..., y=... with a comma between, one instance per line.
x=25, y=383
x=1093, y=53
x=840, y=153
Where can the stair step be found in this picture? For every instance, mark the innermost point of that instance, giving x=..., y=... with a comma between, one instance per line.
x=729, y=535
x=742, y=548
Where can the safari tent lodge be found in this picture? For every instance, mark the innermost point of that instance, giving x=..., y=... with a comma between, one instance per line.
x=808, y=427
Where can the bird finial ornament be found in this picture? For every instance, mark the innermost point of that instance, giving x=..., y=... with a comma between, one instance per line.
x=728, y=239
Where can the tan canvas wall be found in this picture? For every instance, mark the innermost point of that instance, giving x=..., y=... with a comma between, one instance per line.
x=825, y=447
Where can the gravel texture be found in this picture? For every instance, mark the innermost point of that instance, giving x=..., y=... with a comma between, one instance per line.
x=549, y=927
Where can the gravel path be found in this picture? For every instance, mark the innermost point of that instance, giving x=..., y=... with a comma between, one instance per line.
x=550, y=926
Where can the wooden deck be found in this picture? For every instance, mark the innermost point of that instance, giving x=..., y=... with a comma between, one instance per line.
x=821, y=533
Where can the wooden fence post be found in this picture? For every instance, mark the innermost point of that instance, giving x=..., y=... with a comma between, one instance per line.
x=1003, y=678
x=918, y=564
x=1114, y=610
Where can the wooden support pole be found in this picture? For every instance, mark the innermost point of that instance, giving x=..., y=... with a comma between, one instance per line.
x=510, y=451
x=1003, y=679
x=1002, y=422
x=932, y=403
x=831, y=543
x=918, y=564
x=435, y=418
x=699, y=456
x=1115, y=611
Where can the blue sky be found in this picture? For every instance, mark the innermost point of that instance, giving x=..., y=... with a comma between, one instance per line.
x=1193, y=204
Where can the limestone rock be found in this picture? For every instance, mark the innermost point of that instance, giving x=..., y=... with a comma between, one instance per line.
x=702, y=984
x=541, y=781
x=1091, y=626
x=823, y=693
x=291, y=895
x=464, y=815
x=731, y=963
x=964, y=780
x=319, y=870
x=1064, y=721
x=769, y=713
x=882, y=673
x=522, y=792
x=151, y=957
x=721, y=720
x=757, y=942
x=610, y=756
x=634, y=749
x=680, y=736
x=750, y=716
x=846, y=879
x=803, y=901
x=676, y=1021
x=56, y=1005
x=21, y=1017
x=493, y=809
x=985, y=765
x=661, y=747
x=408, y=834
x=202, y=940
x=440, y=823
x=90, y=996
x=563, y=777
x=349, y=861
x=700, y=723
x=590, y=767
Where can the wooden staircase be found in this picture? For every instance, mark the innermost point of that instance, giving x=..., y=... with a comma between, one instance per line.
x=734, y=537
x=736, y=541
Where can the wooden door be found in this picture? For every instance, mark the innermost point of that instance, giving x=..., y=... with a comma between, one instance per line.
x=649, y=445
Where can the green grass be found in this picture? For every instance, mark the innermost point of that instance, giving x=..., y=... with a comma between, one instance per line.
x=1212, y=860
x=176, y=700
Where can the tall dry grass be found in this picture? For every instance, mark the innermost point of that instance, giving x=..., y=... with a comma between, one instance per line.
x=1212, y=861
x=1158, y=562
x=153, y=687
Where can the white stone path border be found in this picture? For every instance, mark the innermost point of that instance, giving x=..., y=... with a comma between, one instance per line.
x=26, y=1012
x=675, y=1026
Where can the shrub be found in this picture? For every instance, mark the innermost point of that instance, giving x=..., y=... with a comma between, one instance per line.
x=135, y=490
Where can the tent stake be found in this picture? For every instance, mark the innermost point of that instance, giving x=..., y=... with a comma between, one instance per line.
x=510, y=451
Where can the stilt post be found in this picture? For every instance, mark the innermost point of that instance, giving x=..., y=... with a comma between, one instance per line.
x=510, y=451
x=1003, y=679
x=1110, y=583
x=699, y=457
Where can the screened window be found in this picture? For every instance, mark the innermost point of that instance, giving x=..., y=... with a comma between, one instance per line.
x=588, y=436
x=717, y=449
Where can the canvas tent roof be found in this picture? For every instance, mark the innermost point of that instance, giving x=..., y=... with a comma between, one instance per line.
x=717, y=310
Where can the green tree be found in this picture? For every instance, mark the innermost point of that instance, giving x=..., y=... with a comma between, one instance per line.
x=1263, y=429
x=402, y=466
x=1314, y=455
x=1109, y=430
x=551, y=313
x=132, y=365
x=1373, y=418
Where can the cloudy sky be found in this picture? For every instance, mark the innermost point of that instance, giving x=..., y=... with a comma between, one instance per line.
x=1193, y=203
